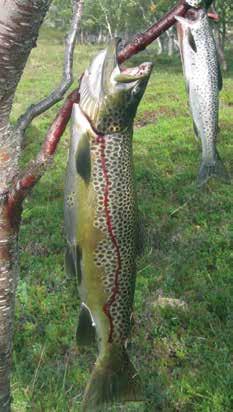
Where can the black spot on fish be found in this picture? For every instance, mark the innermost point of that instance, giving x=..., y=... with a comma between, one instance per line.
x=192, y=42
x=83, y=159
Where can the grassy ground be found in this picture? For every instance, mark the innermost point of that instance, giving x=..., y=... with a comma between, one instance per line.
x=182, y=339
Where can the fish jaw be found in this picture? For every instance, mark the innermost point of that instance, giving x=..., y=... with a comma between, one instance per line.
x=110, y=91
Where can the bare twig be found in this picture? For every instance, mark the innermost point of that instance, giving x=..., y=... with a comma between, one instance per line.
x=24, y=183
x=142, y=40
x=57, y=95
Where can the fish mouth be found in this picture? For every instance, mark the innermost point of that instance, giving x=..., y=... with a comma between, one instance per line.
x=133, y=74
x=104, y=73
x=105, y=77
x=114, y=74
x=192, y=17
x=213, y=16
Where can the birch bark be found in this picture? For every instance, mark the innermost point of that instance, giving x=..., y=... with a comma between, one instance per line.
x=19, y=24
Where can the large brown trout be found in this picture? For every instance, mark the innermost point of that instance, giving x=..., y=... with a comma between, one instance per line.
x=101, y=220
x=203, y=81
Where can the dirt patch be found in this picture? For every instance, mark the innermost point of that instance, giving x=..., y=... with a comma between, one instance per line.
x=150, y=117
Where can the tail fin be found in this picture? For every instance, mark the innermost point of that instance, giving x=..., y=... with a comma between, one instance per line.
x=114, y=379
x=217, y=169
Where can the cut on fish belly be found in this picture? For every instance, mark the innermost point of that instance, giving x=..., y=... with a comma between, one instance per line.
x=101, y=221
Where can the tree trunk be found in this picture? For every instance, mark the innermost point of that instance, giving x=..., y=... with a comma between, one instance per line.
x=170, y=35
x=9, y=223
x=20, y=22
x=8, y=283
x=160, y=46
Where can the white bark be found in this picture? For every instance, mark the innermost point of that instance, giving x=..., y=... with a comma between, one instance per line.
x=20, y=21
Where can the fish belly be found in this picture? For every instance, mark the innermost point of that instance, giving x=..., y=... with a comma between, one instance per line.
x=108, y=237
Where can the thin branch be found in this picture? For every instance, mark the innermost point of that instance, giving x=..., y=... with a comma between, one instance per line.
x=105, y=12
x=142, y=40
x=67, y=79
x=37, y=167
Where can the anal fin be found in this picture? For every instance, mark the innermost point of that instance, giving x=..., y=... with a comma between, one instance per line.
x=85, y=334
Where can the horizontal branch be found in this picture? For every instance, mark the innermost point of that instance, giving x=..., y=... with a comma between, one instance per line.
x=143, y=40
x=67, y=79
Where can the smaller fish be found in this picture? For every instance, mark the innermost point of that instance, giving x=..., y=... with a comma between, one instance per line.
x=203, y=81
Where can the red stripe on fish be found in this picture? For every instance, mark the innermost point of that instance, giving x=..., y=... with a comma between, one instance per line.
x=101, y=141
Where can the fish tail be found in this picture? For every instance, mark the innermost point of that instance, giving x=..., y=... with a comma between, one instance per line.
x=85, y=333
x=114, y=378
x=216, y=170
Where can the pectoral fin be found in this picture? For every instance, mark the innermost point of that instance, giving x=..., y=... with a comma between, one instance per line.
x=195, y=130
x=83, y=159
x=73, y=256
x=191, y=41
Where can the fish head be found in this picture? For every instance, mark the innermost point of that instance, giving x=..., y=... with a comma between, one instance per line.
x=110, y=94
x=199, y=3
x=193, y=27
x=194, y=3
x=193, y=20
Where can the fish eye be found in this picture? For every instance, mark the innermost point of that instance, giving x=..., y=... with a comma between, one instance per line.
x=192, y=15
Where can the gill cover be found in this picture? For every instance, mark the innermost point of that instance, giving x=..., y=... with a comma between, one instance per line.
x=107, y=89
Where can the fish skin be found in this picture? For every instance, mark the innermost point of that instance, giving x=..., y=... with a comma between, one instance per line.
x=203, y=83
x=199, y=3
x=101, y=219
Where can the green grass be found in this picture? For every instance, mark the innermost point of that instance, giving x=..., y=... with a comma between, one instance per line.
x=182, y=341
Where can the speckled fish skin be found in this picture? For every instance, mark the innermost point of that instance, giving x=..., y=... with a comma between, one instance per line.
x=199, y=3
x=194, y=3
x=203, y=81
x=101, y=219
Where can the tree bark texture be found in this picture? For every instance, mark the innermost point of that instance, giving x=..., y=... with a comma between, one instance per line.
x=20, y=21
